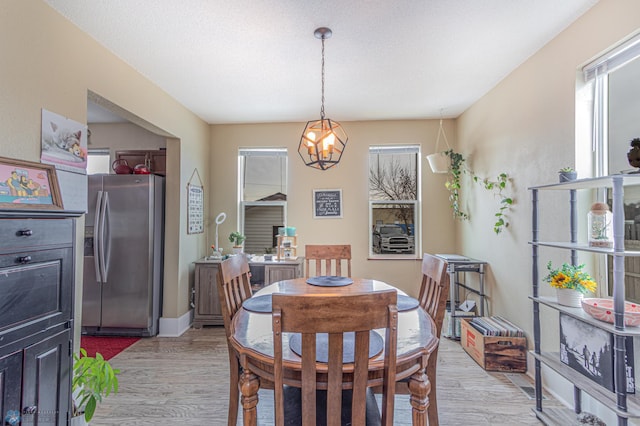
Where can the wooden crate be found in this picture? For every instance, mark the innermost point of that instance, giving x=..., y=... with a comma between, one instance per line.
x=493, y=353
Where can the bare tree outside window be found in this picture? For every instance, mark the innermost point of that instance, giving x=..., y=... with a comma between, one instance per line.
x=393, y=199
x=392, y=180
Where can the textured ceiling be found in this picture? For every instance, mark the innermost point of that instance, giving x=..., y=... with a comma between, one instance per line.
x=238, y=61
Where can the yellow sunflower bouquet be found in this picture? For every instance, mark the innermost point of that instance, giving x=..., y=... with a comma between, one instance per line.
x=571, y=277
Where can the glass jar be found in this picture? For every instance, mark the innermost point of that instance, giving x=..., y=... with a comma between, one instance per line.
x=599, y=221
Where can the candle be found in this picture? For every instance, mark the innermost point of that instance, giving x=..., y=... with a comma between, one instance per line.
x=311, y=137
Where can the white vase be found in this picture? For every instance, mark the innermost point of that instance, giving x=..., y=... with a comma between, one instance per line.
x=569, y=297
x=439, y=162
x=79, y=421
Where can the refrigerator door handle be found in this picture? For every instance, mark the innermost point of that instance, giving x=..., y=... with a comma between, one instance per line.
x=104, y=208
x=96, y=238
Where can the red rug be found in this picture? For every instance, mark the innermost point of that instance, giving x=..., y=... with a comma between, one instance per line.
x=107, y=346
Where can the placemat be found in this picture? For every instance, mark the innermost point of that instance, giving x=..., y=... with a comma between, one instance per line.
x=260, y=304
x=329, y=281
x=348, y=342
x=407, y=303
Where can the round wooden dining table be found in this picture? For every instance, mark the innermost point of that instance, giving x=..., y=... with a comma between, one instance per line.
x=252, y=338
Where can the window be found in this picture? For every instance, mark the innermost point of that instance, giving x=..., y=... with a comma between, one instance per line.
x=394, y=201
x=262, y=194
x=616, y=105
x=98, y=161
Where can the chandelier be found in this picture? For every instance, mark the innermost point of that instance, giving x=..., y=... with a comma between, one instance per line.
x=323, y=141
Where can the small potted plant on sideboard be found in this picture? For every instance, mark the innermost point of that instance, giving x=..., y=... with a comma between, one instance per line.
x=237, y=239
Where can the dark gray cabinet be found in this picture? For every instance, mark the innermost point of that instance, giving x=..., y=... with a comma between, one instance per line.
x=36, y=316
x=10, y=382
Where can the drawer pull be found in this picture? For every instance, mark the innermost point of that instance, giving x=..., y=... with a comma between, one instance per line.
x=30, y=410
x=25, y=232
x=24, y=259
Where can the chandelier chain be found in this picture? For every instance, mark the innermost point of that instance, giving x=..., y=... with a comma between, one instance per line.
x=322, y=100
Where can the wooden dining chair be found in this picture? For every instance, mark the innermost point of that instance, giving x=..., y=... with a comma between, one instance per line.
x=234, y=288
x=335, y=315
x=434, y=291
x=327, y=259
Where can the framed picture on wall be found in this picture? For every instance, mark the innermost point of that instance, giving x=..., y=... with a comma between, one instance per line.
x=28, y=185
x=195, y=209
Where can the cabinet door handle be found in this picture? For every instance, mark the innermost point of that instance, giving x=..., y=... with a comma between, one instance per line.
x=25, y=233
x=24, y=259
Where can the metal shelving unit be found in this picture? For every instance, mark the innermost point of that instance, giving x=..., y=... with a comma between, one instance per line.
x=624, y=405
x=457, y=264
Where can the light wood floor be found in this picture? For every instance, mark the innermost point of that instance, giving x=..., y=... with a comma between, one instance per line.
x=185, y=380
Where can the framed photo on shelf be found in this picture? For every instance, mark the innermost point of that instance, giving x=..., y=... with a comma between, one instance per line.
x=28, y=185
x=589, y=351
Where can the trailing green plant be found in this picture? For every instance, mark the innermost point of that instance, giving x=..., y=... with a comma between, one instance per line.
x=497, y=187
x=453, y=184
x=93, y=379
x=237, y=238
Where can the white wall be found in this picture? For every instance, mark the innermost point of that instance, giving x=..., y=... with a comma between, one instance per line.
x=49, y=63
x=526, y=126
x=351, y=175
x=123, y=136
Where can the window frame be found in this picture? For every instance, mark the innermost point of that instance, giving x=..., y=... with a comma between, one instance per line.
x=242, y=205
x=596, y=79
x=596, y=74
x=388, y=149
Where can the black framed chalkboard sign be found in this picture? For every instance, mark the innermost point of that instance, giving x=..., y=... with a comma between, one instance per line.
x=327, y=203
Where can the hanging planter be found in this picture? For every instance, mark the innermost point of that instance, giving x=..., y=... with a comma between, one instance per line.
x=440, y=160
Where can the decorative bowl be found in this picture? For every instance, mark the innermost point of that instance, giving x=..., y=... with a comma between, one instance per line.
x=602, y=309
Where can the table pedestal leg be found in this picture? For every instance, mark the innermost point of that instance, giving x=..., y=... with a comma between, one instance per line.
x=419, y=387
x=249, y=385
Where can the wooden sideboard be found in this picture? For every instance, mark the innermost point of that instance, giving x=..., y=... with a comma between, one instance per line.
x=206, y=301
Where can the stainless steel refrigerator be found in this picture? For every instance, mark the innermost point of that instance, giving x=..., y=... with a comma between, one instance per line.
x=123, y=255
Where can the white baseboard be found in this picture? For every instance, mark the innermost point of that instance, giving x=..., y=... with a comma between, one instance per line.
x=175, y=327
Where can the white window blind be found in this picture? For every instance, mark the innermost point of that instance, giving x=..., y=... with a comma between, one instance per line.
x=395, y=149
x=613, y=59
x=263, y=152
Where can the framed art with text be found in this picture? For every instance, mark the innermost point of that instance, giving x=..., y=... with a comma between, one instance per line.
x=195, y=209
x=327, y=203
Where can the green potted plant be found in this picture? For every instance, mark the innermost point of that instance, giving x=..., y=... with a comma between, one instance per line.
x=453, y=184
x=570, y=282
x=567, y=174
x=93, y=379
x=237, y=239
